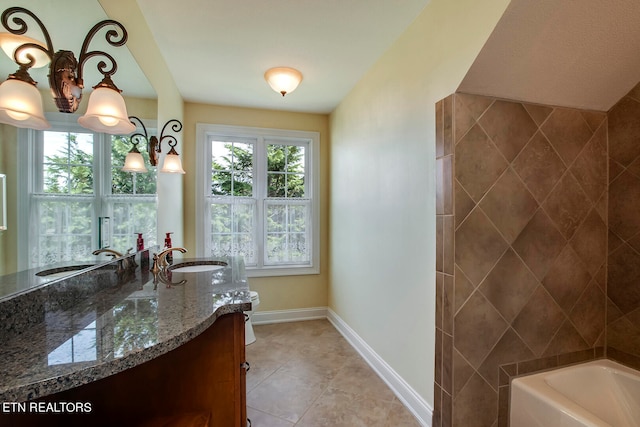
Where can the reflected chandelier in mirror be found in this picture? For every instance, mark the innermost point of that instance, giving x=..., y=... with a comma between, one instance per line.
x=172, y=163
x=20, y=101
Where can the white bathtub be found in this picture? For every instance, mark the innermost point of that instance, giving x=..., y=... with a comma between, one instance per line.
x=601, y=393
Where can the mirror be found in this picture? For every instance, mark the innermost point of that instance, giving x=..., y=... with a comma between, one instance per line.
x=140, y=97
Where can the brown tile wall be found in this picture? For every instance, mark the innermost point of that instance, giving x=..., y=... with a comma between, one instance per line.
x=623, y=281
x=522, y=189
x=443, y=387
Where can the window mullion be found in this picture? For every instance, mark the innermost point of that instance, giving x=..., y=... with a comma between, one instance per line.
x=38, y=152
x=101, y=174
x=205, y=181
x=309, y=173
x=260, y=194
x=103, y=165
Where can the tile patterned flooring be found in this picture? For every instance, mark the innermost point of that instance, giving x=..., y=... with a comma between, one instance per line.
x=305, y=374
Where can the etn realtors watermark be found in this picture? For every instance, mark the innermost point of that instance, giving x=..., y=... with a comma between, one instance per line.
x=45, y=407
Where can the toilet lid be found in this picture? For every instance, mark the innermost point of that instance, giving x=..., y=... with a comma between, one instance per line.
x=253, y=294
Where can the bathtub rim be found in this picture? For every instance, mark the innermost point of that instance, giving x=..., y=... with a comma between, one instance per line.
x=535, y=384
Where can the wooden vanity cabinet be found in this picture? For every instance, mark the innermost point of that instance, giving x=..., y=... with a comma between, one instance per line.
x=205, y=375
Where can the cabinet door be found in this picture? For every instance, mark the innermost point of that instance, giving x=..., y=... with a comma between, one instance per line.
x=244, y=367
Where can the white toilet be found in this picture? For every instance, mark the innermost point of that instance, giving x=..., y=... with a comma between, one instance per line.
x=249, y=336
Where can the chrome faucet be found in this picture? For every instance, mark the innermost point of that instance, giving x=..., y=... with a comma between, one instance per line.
x=160, y=260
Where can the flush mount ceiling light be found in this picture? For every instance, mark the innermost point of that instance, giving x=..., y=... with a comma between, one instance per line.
x=283, y=80
x=20, y=100
x=172, y=163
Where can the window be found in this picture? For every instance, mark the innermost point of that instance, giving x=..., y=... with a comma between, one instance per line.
x=258, y=197
x=74, y=179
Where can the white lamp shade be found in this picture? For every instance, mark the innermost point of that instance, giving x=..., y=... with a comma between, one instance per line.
x=10, y=42
x=172, y=164
x=107, y=112
x=282, y=79
x=21, y=105
x=134, y=163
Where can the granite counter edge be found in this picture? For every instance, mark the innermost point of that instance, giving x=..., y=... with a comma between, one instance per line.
x=93, y=373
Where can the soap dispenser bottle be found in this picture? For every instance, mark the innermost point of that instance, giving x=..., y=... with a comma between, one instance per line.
x=167, y=245
x=140, y=243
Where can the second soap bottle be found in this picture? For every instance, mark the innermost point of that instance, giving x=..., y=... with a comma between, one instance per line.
x=167, y=245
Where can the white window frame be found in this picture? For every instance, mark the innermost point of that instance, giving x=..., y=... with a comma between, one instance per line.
x=204, y=132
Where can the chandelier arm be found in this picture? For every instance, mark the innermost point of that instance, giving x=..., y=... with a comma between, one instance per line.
x=102, y=65
x=176, y=126
x=21, y=28
x=32, y=60
x=114, y=38
x=138, y=137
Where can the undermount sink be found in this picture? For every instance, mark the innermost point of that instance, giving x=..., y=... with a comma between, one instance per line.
x=197, y=266
x=61, y=271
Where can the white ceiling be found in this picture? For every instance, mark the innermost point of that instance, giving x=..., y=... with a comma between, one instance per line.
x=578, y=53
x=218, y=50
x=574, y=53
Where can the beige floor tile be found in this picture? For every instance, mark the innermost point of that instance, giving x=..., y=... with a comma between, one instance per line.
x=262, y=419
x=269, y=347
x=285, y=396
x=358, y=377
x=337, y=408
x=305, y=374
x=260, y=369
x=315, y=366
x=327, y=344
x=399, y=415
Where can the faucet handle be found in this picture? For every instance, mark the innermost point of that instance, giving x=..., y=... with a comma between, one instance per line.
x=154, y=268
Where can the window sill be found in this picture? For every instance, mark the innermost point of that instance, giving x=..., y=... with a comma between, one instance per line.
x=281, y=271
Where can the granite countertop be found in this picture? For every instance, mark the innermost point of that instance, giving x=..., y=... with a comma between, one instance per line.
x=26, y=280
x=126, y=319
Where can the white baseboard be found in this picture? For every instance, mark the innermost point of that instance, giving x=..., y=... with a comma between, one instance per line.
x=281, y=316
x=403, y=391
